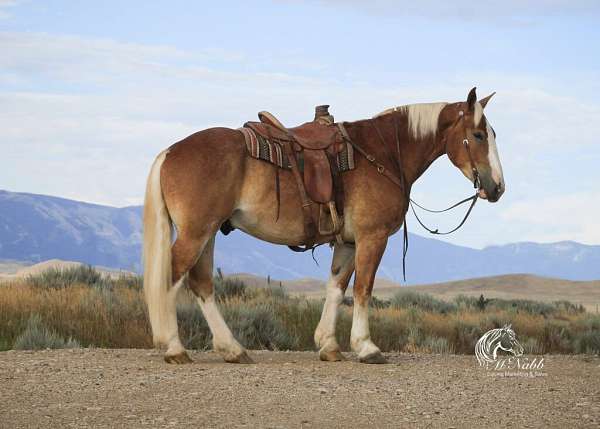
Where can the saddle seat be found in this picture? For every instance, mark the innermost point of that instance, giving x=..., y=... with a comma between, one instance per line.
x=310, y=135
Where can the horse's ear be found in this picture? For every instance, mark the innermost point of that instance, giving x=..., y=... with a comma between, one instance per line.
x=509, y=326
x=471, y=100
x=485, y=100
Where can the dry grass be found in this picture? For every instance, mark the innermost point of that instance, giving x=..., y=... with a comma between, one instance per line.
x=111, y=313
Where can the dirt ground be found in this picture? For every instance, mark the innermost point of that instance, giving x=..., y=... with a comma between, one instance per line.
x=135, y=388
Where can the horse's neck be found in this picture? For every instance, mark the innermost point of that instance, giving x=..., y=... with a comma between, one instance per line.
x=416, y=155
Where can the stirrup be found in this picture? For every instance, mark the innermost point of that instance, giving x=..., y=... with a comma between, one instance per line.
x=336, y=221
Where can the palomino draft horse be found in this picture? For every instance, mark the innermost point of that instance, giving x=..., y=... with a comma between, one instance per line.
x=208, y=178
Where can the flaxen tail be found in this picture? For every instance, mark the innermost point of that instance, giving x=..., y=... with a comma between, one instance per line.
x=157, y=254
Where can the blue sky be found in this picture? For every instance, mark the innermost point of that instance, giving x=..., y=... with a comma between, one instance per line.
x=91, y=91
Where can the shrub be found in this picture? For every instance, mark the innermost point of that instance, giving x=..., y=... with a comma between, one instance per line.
x=193, y=328
x=389, y=329
x=568, y=307
x=588, y=342
x=131, y=281
x=114, y=315
x=517, y=305
x=228, y=287
x=531, y=346
x=300, y=316
x=556, y=338
x=407, y=299
x=258, y=328
x=37, y=337
x=267, y=293
x=374, y=302
x=437, y=345
x=464, y=336
x=464, y=302
x=56, y=278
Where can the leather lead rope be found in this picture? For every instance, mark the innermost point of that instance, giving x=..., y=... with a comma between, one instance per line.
x=398, y=163
x=473, y=200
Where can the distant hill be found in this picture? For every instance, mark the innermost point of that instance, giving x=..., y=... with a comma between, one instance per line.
x=514, y=286
x=36, y=228
x=14, y=270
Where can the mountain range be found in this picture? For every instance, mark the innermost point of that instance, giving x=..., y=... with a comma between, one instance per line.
x=38, y=227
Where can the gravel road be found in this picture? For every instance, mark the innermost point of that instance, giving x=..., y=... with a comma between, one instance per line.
x=135, y=388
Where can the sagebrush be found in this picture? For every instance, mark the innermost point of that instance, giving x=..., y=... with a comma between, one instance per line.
x=81, y=307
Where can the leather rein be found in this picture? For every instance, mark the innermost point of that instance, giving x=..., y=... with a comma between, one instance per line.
x=401, y=181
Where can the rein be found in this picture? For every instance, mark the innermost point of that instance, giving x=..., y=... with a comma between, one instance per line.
x=401, y=181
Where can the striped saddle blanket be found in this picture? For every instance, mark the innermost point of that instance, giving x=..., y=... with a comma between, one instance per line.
x=271, y=151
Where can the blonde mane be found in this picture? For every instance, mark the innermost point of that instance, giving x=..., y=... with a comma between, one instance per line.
x=422, y=118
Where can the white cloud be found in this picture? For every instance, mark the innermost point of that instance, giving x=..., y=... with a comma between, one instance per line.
x=560, y=217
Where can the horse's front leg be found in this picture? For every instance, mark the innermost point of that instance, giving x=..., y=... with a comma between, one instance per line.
x=369, y=251
x=342, y=268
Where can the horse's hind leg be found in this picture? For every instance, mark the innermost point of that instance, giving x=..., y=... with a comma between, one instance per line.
x=201, y=283
x=184, y=254
x=342, y=267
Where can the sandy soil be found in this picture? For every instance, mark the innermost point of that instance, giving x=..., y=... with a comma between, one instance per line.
x=134, y=388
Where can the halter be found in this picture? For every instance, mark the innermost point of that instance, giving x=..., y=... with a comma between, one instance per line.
x=476, y=182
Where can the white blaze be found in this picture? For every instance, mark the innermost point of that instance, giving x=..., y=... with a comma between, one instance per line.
x=493, y=158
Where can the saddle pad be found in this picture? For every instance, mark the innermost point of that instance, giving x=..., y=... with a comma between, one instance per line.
x=271, y=151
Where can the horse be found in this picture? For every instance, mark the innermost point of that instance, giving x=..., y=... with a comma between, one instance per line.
x=486, y=349
x=207, y=179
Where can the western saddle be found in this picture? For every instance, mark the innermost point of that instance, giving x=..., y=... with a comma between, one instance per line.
x=311, y=149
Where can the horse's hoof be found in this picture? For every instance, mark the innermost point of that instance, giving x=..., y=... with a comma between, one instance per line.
x=179, y=359
x=332, y=356
x=374, y=358
x=241, y=358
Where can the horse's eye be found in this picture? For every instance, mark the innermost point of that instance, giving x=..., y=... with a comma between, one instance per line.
x=479, y=136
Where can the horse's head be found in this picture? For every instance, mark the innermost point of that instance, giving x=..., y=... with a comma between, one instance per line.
x=471, y=145
x=508, y=341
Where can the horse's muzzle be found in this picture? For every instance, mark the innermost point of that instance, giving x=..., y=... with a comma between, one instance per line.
x=493, y=194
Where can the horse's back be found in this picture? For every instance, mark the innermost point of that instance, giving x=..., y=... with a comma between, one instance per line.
x=218, y=140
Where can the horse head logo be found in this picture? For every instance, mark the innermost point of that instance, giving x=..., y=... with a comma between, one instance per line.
x=486, y=349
